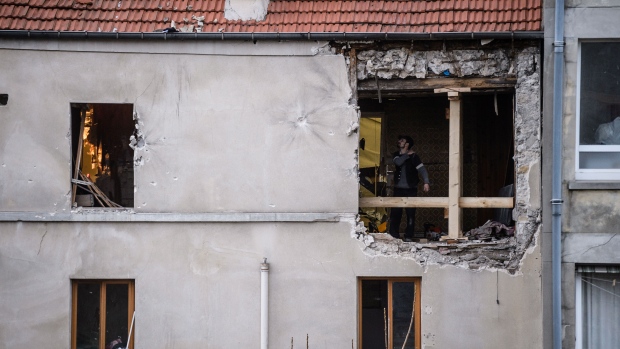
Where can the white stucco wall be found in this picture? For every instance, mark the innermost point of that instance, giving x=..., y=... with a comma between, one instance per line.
x=243, y=128
x=223, y=132
x=198, y=285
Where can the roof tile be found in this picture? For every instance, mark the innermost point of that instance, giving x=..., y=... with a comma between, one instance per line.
x=283, y=15
x=384, y=6
x=334, y=6
x=361, y=6
x=348, y=6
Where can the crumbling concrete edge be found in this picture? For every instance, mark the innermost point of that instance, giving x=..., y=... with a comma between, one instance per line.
x=525, y=64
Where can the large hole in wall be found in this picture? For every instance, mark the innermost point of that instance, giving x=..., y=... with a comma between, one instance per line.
x=102, y=158
x=487, y=156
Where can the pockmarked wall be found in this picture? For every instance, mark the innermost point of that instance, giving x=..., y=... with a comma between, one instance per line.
x=224, y=131
x=198, y=285
x=230, y=128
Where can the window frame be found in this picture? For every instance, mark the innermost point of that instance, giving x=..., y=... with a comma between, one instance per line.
x=584, y=174
x=77, y=180
x=417, y=281
x=102, y=301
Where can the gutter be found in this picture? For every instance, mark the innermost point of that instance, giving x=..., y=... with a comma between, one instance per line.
x=556, y=181
x=309, y=36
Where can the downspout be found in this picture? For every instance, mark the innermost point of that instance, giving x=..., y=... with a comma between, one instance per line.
x=264, y=304
x=556, y=181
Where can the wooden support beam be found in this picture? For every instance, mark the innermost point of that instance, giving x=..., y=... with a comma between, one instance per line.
x=487, y=202
x=437, y=202
x=425, y=202
x=453, y=91
x=455, y=175
x=430, y=84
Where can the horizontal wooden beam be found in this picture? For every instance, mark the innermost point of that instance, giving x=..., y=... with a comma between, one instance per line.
x=430, y=84
x=487, y=202
x=453, y=90
x=440, y=202
x=403, y=202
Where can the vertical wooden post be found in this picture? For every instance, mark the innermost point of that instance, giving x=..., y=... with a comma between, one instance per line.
x=456, y=171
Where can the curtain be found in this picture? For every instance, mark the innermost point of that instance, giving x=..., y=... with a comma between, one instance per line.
x=600, y=300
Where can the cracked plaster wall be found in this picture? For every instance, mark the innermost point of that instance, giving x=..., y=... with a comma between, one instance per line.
x=198, y=283
x=219, y=132
x=524, y=64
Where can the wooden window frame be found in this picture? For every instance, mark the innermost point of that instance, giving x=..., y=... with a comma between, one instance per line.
x=417, y=281
x=102, y=305
x=454, y=203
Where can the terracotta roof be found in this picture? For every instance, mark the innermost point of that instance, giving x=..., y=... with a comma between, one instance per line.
x=416, y=16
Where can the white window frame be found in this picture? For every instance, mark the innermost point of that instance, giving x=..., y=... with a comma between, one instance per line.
x=582, y=173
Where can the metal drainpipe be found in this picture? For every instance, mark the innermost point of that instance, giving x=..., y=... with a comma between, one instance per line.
x=556, y=185
x=264, y=304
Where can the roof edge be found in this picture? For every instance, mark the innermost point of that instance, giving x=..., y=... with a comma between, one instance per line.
x=265, y=36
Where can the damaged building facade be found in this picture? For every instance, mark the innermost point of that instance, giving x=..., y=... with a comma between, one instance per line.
x=145, y=176
x=581, y=82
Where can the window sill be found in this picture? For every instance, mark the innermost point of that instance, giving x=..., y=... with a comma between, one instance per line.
x=594, y=185
x=127, y=215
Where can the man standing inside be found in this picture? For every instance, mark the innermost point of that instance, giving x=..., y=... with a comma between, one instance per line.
x=409, y=168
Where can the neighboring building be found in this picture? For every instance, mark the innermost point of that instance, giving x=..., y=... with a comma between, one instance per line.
x=590, y=174
x=148, y=170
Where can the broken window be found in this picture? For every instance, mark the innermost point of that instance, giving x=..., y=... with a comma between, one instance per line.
x=102, y=157
x=597, y=306
x=390, y=313
x=466, y=144
x=102, y=314
x=598, y=129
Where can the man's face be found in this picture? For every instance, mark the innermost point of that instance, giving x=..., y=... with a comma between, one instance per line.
x=402, y=143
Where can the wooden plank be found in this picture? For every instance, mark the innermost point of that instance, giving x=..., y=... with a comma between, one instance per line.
x=486, y=202
x=418, y=312
x=430, y=84
x=453, y=91
x=455, y=169
x=102, y=314
x=404, y=202
x=437, y=202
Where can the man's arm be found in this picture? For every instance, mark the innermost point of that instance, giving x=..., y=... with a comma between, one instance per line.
x=399, y=159
x=424, y=173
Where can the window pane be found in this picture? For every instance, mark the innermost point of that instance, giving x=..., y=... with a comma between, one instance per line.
x=602, y=160
x=87, y=316
x=116, y=315
x=374, y=306
x=402, y=303
x=601, y=310
x=600, y=93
